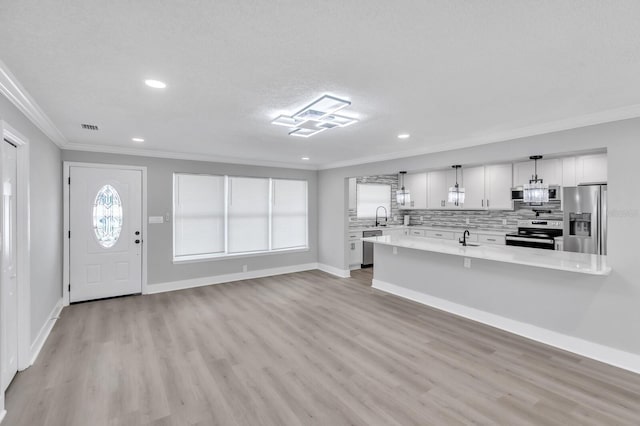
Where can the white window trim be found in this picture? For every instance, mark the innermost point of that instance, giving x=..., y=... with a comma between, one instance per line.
x=206, y=257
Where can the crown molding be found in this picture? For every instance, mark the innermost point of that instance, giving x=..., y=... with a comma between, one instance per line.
x=607, y=116
x=11, y=88
x=184, y=156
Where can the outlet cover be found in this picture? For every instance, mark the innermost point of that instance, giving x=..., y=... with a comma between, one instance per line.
x=467, y=262
x=467, y=221
x=504, y=221
x=421, y=218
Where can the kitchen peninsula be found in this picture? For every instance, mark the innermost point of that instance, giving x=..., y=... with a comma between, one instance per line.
x=544, y=295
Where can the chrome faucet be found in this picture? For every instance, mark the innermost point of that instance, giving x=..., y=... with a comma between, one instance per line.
x=463, y=240
x=386, y=218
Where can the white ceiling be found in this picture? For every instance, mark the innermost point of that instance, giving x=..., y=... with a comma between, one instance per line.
x=448, y=72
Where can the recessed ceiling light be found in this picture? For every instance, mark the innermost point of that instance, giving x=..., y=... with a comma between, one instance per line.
x=137, y=139
x=404, y=136
x=156, y=84
x=305, y=158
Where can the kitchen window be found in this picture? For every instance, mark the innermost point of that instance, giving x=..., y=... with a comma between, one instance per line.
x=226, y=216
x=370, y=196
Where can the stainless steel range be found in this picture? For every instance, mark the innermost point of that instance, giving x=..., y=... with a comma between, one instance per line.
x=536, y=234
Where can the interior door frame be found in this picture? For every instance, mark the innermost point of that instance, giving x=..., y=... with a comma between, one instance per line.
x=23, y=234
x=66, y=264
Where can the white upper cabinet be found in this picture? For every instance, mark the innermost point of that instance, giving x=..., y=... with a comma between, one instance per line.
x=569, y=171
x=591, y=169
x=498, y=183
x=548, y=170
x=473, y=182
x=438, y=189
x=416, y=184
x=352, y=193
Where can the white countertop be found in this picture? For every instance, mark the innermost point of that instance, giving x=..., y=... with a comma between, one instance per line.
x=436, y=228
x=550, y=259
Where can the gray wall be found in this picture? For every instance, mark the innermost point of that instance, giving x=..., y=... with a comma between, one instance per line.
x=161, y=268
x=612, y=315
x=46, y=216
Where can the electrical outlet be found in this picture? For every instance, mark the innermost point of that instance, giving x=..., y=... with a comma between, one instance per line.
x=467, y=221
x=245, y=268
x=504, y=221
x=395, y=218
x=395, y=250
x=467, y=262
x=421, y=218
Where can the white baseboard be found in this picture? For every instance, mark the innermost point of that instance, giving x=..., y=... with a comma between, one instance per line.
x=2, y=414
x=354, y=267
x=220, y=279
x=342, y=273
x=38, y=343
x=596, y=351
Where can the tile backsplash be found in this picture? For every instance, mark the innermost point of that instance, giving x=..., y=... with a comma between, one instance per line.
x=392, y=180
x=485, y=219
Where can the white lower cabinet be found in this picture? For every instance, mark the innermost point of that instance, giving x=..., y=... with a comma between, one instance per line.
x=355, y=248
x=491, y=239
x=443, y=235
x=416, y=232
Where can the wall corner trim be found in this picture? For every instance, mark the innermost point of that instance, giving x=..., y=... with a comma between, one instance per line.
x=11, y=88
x=608, y=355
x=227, y=278
x=43, y=335
x=342, y=273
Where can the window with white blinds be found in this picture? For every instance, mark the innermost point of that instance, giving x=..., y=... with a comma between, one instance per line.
x=217, y=216
x=198, y=215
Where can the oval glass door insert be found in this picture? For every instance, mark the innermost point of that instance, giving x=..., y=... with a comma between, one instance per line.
x=107, y=216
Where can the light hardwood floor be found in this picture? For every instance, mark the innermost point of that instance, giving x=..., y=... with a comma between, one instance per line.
x=304, y=348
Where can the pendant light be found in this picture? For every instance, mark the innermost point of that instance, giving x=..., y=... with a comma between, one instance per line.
x=456, y=194
x=536, y=191
x=402, y=195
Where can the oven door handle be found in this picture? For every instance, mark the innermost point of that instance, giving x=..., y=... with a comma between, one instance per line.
x=529, y=240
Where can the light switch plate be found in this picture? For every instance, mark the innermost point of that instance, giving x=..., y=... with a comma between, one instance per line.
x=156, y=219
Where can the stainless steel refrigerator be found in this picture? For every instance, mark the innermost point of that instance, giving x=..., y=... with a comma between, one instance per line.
x=585, y=219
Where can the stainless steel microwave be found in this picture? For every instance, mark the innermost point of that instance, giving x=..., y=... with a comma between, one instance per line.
x=555, y=193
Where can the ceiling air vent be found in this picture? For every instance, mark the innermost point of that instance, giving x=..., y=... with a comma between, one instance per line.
x=89, y=126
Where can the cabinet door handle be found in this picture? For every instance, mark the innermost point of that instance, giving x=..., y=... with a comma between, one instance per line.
x=438, y=235
x=487, y=203
x=491, y=239
x=483, y=202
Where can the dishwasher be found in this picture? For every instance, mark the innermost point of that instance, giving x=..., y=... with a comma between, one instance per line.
x=367, y=248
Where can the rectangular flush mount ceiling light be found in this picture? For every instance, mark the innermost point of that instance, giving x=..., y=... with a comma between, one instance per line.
x=316, y=117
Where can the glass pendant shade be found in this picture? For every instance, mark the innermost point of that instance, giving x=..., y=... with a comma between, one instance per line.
x=403, y=197
x=456, y=195
x=536, y=192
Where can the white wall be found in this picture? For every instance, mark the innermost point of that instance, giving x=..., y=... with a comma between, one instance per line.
x=46, y=217
x=159, y=238
x=612, y=315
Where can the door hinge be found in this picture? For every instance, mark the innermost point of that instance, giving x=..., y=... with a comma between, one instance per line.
x=69, y=287
x=69, y=180
x=69, y=234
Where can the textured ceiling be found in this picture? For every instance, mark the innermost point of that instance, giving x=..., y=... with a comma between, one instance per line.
x=443, y=71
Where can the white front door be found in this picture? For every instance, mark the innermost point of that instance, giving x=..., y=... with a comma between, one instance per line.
x=8, y=277
x=105, y=219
